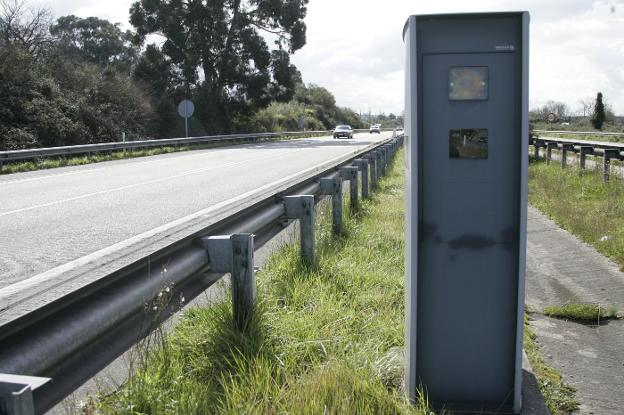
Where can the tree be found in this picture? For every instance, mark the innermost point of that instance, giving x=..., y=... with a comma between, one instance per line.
x=94, y=40
x=24, y=28
x=221, y=40
x=560, y=109
x=598, y=117
x=286, y=77
x=156, y=72
x=33, y=110
x=586, y=105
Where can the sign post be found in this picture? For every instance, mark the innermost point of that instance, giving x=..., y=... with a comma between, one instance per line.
x=551, y=117
x=466, y=140
x=186, y=109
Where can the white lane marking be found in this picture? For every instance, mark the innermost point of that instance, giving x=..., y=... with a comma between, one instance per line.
x=49, y=176
x=29, y=283
x=130, y=186
x=136, y=161
x=131, y=162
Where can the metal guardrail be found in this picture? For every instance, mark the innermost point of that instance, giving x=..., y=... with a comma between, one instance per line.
x=36, y=153
x=597, y=133
x=607, y=150
x=48, y=353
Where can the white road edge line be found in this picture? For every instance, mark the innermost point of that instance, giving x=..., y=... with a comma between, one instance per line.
x=49, y=176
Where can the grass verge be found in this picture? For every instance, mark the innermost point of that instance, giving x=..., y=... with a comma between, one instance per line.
x=560, y=398
x=586, y=313
x=54, y=162
x=325, y=339
x=584, y=205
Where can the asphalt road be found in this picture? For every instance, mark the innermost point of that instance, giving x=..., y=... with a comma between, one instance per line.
x=51, y=217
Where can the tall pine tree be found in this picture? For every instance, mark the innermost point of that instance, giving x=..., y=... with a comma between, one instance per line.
x=599, y=116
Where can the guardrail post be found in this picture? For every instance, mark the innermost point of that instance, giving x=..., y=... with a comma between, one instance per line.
x=564, y=154
x=302, y=207
x=243, y=278
x=381, y=153
x=234, y=254
x=536, y=148
x=385, y=153
x=374, y=166
x=549, y=147
x=351, y=174
x=16, y=393
x=362, y=165
x=583, y=152
x=607, y=156
x=333, y=186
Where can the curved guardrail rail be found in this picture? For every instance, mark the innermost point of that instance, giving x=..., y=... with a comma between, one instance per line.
x=48, y=353
x=607, y=150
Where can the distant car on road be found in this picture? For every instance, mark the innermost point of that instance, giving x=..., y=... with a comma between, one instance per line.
x=398, y=132
x=375, y=128
x=343, y=131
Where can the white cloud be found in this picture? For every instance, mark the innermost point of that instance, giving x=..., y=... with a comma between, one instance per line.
x=355, y=48
x=116, y=11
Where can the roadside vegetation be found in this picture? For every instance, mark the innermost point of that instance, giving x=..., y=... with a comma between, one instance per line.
x=83, y=80
x=326, y=339
x=592, y=114
x=585, y=313
x=51, y=163
x=584, y=205
x=560, y=397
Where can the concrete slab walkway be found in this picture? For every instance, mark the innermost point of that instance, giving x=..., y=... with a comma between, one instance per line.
x=560, y=269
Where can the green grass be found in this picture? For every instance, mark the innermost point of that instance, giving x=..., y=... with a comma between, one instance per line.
x=590, y=313
x=560, y=398
x=584, y=205
x=325, y=338
x=54, y=162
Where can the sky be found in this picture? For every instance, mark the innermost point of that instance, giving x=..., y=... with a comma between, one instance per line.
x=355, y=48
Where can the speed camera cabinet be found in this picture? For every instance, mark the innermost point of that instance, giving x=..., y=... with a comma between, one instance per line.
x=466, y=135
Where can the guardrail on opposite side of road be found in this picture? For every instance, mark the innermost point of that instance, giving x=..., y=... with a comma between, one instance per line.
x=606, y=150
x=48, y=353
x=567, y=132
x=37, y=153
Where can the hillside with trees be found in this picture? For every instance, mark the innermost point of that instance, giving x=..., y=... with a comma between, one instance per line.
x=80, y=80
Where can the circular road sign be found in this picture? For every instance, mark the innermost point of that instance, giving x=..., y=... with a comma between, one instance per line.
x=552, y=117
x=186, y=108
